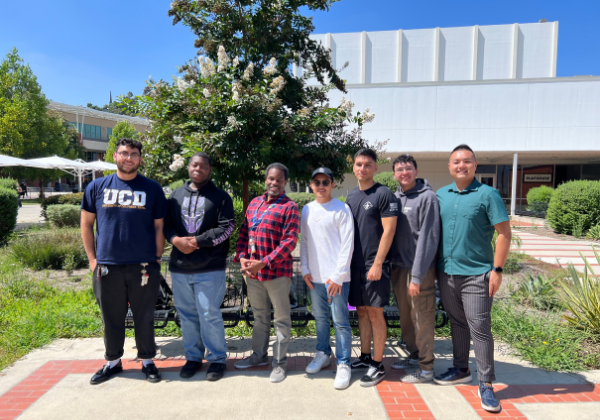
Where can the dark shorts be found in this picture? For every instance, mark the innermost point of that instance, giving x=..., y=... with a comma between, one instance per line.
x=365, y=292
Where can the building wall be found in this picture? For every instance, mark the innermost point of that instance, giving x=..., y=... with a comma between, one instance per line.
x=81, y=116
x=557, y=114
x=512, y=51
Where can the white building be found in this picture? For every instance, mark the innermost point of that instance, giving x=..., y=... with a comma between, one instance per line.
x=491, y=87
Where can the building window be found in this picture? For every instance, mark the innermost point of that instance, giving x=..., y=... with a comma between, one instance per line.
x=108, y=133
x=92, y=131
x=89, y=131
x=565, y=173
x=591, y=172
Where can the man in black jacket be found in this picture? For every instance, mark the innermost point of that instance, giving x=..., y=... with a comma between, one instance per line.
x=199, y=221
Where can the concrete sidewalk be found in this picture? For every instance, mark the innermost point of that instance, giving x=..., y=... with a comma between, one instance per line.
x=53, y=383
x=555, y=251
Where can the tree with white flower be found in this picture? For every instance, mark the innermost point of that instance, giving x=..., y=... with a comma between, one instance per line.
x=250, y=111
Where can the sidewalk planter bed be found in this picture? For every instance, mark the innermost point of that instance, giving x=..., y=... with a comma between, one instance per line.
x=574, y=207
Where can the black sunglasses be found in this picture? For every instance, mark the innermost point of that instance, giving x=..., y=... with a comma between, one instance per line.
x=325, y=182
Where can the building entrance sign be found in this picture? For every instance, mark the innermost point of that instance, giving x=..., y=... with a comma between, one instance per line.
x=545, y=178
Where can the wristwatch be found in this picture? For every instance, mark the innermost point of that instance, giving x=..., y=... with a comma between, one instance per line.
x=497, y=269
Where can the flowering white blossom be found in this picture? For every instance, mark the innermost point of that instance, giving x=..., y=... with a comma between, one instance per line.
x=232, y=121
x=249, y=72
x=178, y=163
x=236, y=88
x=346, y=106
x=177, y=139
x=207, y=66
x=304, y=112
x=206, y=93
x=277, y=85
x=182, y=85
x=271, y=68
x=367, y=116
x=236, y=62
x=223, y=59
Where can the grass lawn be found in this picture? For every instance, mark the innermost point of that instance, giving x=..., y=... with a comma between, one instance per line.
x=31, y=201
x=37, y=307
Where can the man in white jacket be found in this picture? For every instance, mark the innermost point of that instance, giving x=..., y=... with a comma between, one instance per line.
x=326, y=245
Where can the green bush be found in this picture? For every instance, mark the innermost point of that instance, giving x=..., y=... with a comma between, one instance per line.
x=64, y=215
x=174, y=185
x=574, y=206
x=538, y=292
x=594, y=233
x=49, y=249
x=301, y=199
x=387, y=179
x=8, y=183
x=74, y=199
x=9, y=208
x=238, y=210
x=541, y=194
x=581, y=297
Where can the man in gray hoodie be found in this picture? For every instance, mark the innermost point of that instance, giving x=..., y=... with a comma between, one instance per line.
x=413, y=267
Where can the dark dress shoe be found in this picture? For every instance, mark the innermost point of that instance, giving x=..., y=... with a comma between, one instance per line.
x=152, y=373
x=190, y=368
x=105, y=373
x=215, y=371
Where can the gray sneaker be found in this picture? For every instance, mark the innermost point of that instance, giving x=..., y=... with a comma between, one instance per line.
x=417, y=377
x=277, y=375
x=251, y=361
x=404, y=363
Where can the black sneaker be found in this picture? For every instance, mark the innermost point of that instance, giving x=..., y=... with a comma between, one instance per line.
x=453, y=376
x=105, y=373
x=152, y=373
x=373, y=376
x=190, y=368
x=362, y=362
x=215, y=371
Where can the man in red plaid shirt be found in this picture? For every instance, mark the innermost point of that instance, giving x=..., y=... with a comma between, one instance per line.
x=267, y=238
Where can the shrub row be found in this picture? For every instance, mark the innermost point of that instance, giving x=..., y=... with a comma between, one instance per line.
x=73, y=199
x=9, y=208
x=574, y=206
x=64, y=215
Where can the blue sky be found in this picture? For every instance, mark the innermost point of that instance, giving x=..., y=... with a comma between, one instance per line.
x=80, y=49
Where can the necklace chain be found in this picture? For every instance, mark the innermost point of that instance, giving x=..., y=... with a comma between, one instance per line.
x=324, y=212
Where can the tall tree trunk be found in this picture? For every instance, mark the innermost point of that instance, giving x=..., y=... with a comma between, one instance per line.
x=42, y=195
x=245, y=194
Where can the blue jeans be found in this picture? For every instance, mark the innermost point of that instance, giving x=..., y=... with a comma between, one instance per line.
x=198, y=299
x=341, y=321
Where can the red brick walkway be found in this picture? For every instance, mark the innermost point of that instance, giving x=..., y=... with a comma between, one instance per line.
x=400, y=400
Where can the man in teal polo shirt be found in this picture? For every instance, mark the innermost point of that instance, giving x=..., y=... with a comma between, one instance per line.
x=469, y=274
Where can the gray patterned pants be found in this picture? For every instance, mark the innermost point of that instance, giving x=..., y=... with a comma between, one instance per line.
x=468, y=304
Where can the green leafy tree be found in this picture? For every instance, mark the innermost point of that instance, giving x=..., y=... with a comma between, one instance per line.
x=240, y=103
x=123, y=105
x=123, y=129
x=27, y=128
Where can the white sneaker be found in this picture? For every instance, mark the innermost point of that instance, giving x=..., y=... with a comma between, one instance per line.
x=342, y=376
x=320, y=361
x=418, y=377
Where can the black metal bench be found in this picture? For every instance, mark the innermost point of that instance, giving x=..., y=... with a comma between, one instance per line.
x=237, y=307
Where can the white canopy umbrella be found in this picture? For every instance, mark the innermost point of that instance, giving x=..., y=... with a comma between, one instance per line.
x=13, y=161
x=76, y=168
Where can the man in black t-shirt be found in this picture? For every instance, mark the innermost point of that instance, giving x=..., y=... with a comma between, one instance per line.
x=375, y=211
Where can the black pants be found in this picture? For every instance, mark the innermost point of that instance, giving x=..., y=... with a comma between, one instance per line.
x=123, y=284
